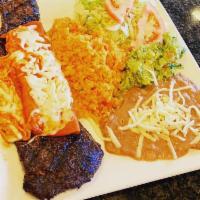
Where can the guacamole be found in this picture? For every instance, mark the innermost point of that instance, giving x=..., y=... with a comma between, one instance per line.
x=156, y=60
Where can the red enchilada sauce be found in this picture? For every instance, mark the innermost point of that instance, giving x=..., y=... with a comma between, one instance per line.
x=158, y=150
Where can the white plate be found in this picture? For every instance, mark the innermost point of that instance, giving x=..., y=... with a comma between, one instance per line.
x=116, y=172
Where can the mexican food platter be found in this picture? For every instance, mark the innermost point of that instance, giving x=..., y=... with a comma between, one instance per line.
x=101, y=96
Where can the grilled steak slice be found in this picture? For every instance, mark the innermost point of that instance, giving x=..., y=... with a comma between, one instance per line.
x=2, y=47
x=55, y=164
x=9, y=5
x=17, y=12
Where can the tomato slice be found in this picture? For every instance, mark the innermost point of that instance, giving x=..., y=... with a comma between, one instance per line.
x=155, y=25
x=118, y=9
x=150, y=27
x=71, y=128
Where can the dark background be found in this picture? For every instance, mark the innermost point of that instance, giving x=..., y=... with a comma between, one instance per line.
x=185, y=186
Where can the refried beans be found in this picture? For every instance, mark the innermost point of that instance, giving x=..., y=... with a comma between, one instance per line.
x=159, y=149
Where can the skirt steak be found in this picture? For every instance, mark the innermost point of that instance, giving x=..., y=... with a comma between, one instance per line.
x=55, y=164
x=17, y=12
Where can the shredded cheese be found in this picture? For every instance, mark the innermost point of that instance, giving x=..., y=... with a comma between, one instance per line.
x=181, y=97
x=113, y=137
x=130, y=126
x=171, y=91
x=48, y=86
x=153, y=76
x=163, y=116
x=171, y=147
x=9, y=100
x=174, y=134
x=196, y=140
x=139, y=148
x=10, y=111
x=187, y=126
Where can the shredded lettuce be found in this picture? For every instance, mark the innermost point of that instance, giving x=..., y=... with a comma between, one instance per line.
x=93, y=15
x=159, y=58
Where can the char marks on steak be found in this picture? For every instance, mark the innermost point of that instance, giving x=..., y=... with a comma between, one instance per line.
x=17, y=12
x=55, y=164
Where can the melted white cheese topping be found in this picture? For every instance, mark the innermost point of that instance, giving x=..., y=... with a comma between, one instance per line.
x=49, y=88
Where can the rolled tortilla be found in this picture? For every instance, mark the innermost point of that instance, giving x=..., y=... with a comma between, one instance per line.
x=12, y=125
x=39, y=81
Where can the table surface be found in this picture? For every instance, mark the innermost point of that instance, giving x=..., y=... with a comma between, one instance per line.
x=186, y=16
